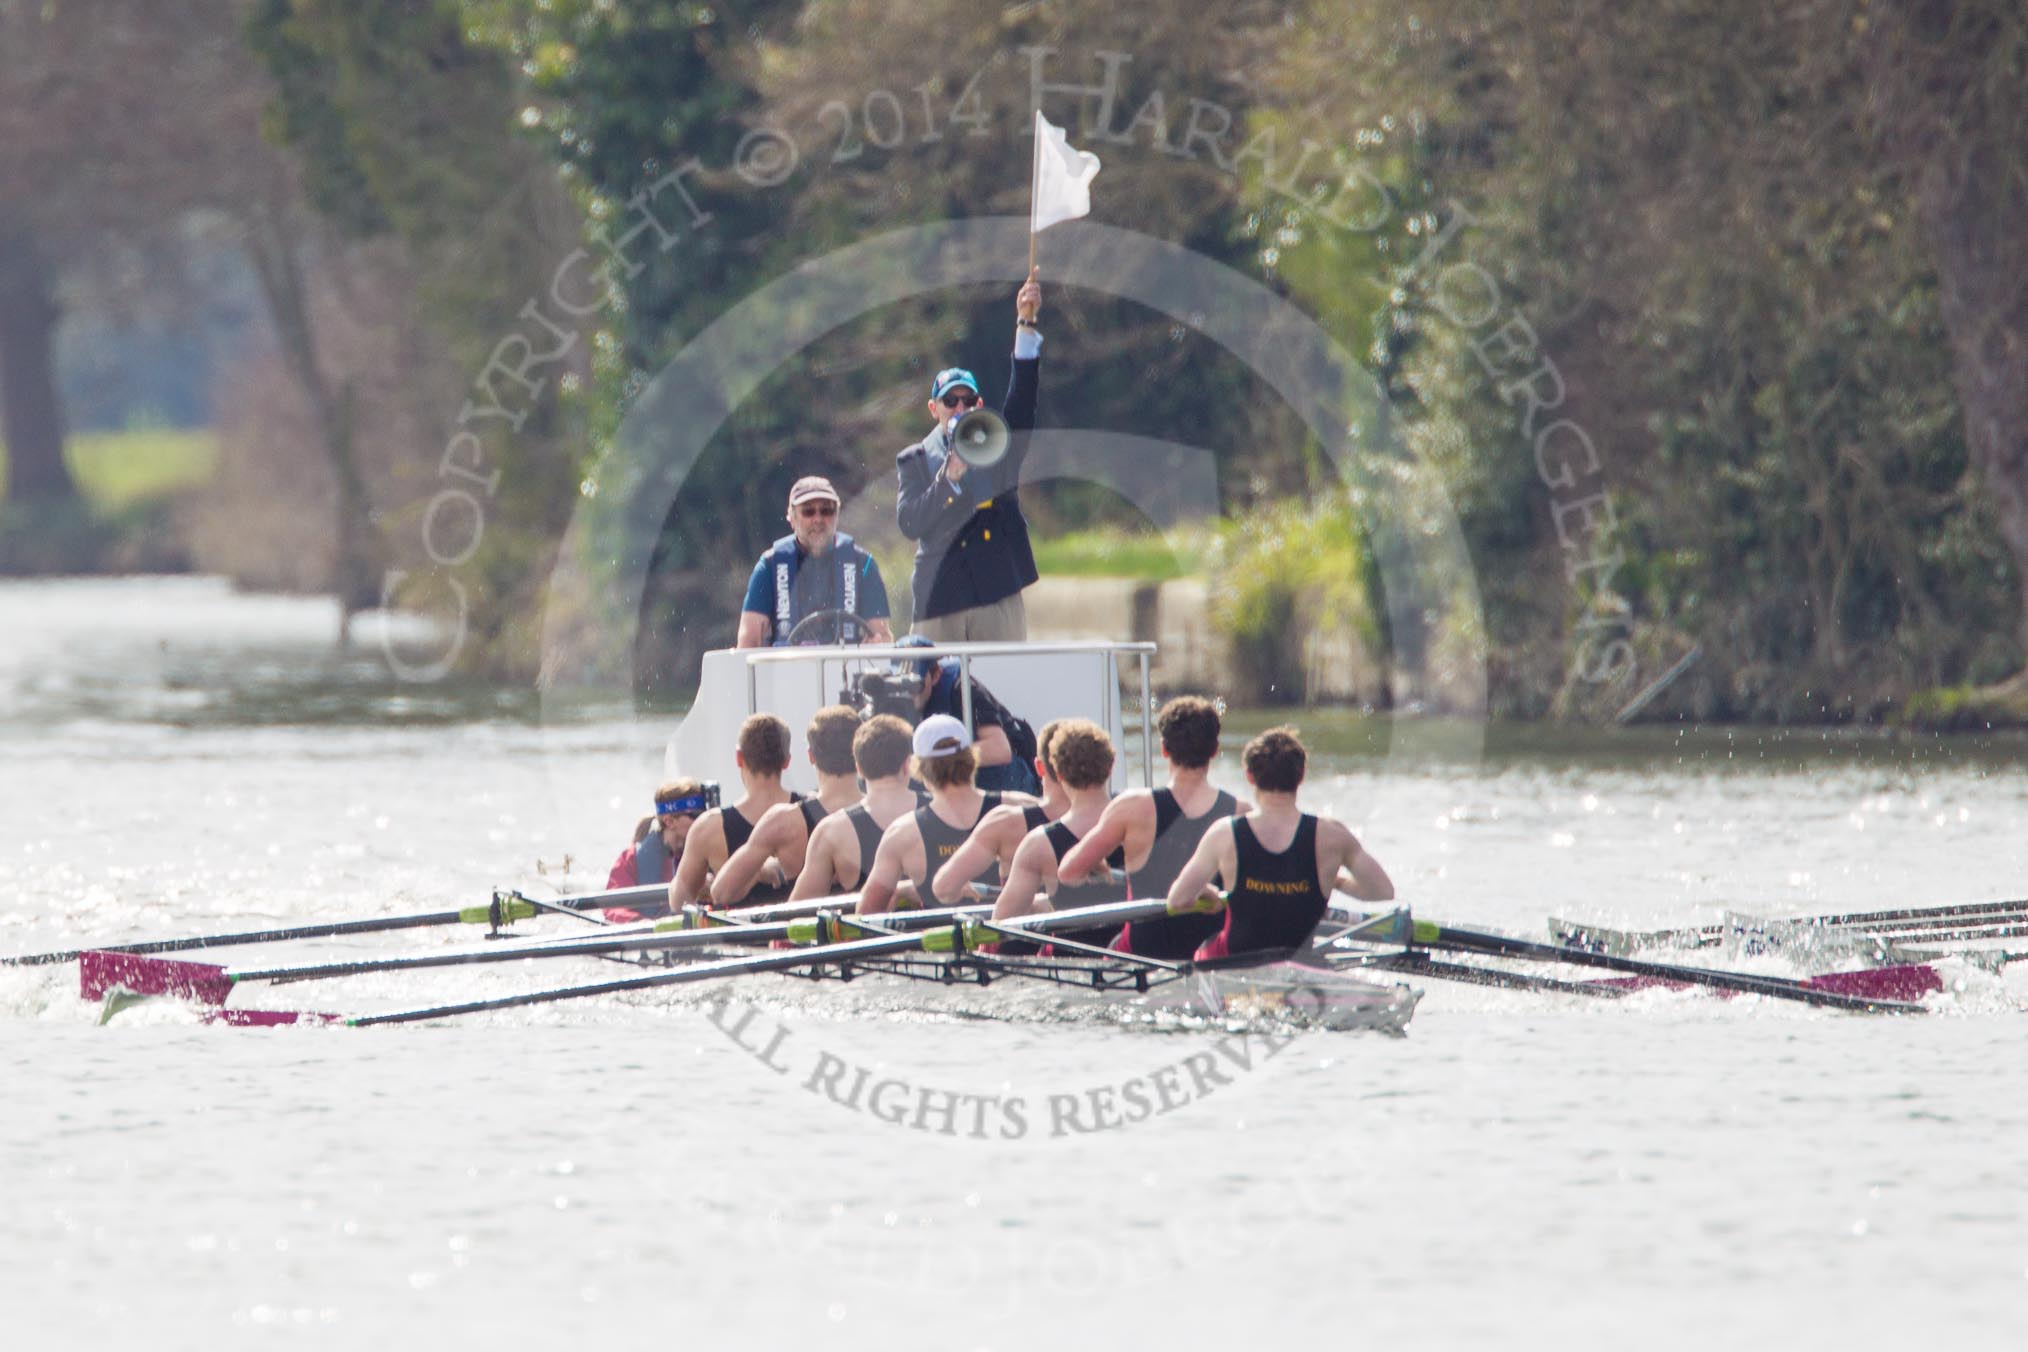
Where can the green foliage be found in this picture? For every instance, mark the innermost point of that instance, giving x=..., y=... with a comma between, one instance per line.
x=116, y=470
x=1741, y=308
x=1112, y=552
x=1685, y=207
x=1281, y=576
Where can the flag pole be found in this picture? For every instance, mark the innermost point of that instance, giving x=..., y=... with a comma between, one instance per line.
x=1034, y=186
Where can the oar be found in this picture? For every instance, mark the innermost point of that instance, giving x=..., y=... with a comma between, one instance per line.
x=942, y=938
x=1429, y=934
x=1416, y=963
x=208, y=984
x=100, y=971
x=1961, y=916
x=505, y=908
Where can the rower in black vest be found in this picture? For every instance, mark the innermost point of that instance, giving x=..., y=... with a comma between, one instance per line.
x=868, y=833
x=940, y=840
x=738, y=829
x=1175, y=937
x=1275, y=901
x=1068, y=896
x=737, y=832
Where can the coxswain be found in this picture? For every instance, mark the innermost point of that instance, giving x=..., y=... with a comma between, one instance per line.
x=841, y=849
x=1000, y=834
x=658, y=842
x=773, y=855
x=761, y=753
x=814, y=571
x=1275, y=860
x=1159, y=829
x=919, y=843
x=1081, y=755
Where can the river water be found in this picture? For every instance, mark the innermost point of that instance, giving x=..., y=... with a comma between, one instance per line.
x=1660, y=1171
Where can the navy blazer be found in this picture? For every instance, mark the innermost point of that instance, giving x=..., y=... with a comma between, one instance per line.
x=971, y=540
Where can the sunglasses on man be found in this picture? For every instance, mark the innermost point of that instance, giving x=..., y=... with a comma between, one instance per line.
x=960, y=399
x=810, y=511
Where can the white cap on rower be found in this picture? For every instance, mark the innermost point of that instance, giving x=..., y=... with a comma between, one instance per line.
x=940, y=735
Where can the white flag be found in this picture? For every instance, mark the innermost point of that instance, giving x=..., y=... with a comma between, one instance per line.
x=1063, y=176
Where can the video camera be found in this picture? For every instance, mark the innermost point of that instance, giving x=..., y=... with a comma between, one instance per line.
x=872, y=693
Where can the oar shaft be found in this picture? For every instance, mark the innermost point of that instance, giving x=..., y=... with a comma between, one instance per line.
x=1431, y=935
x=327, y=930
x=505, y=907
x=1946, y=912
x=769, y=962
x=929, y=931
x=1415, y=963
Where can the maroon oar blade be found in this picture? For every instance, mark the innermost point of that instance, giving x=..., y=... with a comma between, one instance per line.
x=99, y=972
x=1904, y=981
x=1907, y=981
x=265, y=1018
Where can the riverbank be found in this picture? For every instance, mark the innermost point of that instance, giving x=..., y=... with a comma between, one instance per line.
x=128, y=516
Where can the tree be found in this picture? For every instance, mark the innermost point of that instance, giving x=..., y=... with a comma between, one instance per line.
x=1746, y=303
x=87, y=161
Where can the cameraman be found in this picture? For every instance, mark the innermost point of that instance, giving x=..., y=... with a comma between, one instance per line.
x=1003, y=743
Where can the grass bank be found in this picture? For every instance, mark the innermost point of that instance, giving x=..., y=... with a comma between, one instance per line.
x=124, y=520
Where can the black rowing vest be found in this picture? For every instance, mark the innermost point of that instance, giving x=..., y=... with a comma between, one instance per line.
x=1176, y=839
x=868, y=831
x=939, y=841
x=738, y=830
x=1275, y=901
x=1087, y=893
x=814, y=811
x=1032, y=817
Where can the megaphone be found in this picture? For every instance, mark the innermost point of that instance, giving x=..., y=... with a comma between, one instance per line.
x=980, y=437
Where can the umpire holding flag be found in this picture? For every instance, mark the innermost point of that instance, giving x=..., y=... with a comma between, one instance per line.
x=972, y=556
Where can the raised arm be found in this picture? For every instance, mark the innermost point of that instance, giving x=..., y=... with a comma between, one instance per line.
x=744, y=867
x=978, y=853
x=1089, y=854
x=1216, y=857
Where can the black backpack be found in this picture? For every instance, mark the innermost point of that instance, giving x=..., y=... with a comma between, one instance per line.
x=1018, y=774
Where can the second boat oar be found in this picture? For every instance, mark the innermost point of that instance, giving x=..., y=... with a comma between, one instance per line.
x=1429, y=934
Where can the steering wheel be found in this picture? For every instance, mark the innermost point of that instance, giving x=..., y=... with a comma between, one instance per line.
x=837, y=619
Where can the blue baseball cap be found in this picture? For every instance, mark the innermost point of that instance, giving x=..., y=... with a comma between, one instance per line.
x=923, y=665
x=953, y=375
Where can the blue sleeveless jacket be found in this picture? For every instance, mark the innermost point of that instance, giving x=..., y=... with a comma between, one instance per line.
x=785, y=561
